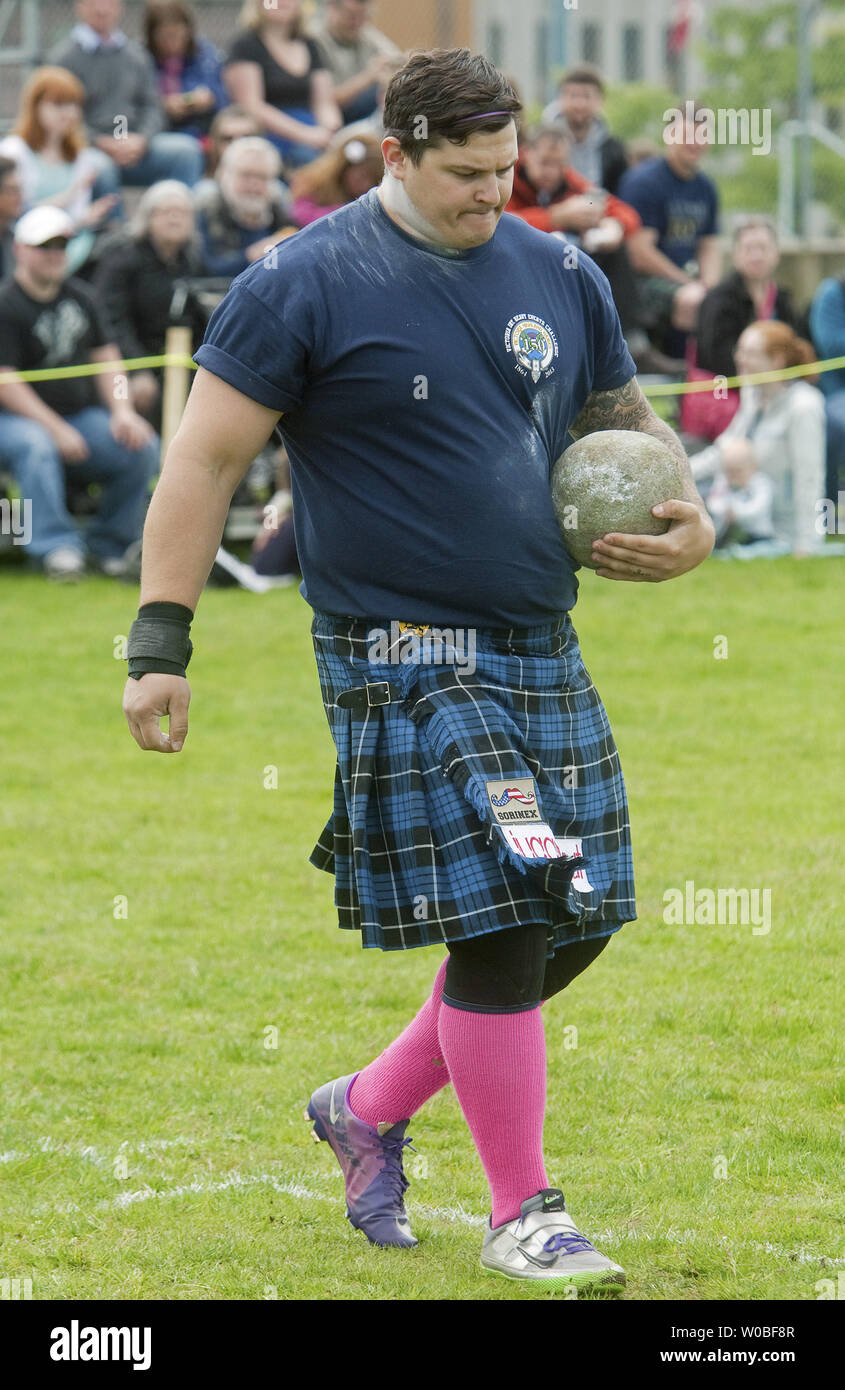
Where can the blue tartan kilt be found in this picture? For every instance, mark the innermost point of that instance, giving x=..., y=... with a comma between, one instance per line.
x=416, y=846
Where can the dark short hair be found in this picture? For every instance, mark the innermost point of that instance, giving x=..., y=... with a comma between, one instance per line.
x=440, y=94
x=585, y=75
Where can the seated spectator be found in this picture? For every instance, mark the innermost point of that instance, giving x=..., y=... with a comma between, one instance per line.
x=550, y=195
x=372, y=125
x=55, y=163
x=120, y=82
x=783, y=424
x=231, y=123
x=79, y=423
x=336, y=178
x=11, y=204
x=243, y=210
x=274, y=548
x=358, y=56
x=276, y=72
x=190, y=77
x=676, y=251
x=136, y=278
x=827, y=328
x=593, y=152
x=740, y=498
x=746, y=295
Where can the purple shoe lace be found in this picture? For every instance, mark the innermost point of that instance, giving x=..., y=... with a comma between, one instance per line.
x=392, y=1175
x=571, y=1244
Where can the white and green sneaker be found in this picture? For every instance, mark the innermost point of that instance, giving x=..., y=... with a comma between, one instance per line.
x=543, y=1244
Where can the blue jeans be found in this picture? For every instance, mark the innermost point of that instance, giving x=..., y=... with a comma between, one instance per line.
x=293, y=154
x=834, y=406
x=29, y=454
x=168, y=156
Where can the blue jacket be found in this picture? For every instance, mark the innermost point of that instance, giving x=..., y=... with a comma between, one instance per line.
x=203, y=70
x=827, y=329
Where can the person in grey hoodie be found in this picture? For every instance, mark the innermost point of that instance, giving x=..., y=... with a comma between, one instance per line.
x=594, y=152
x=122, y=107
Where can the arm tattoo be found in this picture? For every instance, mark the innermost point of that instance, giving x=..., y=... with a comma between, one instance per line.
x=626, y=408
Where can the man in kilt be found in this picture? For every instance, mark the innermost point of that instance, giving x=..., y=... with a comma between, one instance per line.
x=427, y=359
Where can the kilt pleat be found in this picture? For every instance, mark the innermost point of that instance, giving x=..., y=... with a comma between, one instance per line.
x=418, y=854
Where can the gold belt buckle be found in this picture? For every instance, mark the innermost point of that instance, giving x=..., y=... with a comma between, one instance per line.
x=419, y=628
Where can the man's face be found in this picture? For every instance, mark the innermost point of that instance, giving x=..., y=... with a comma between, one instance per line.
x=11, y=200
x=233, y=128
x=45, y=265
x=462, y=190
x=545, y=163
x=684, y=156
x=348, y=17
x=580, y=103
x=249, y=182
x=102, y=15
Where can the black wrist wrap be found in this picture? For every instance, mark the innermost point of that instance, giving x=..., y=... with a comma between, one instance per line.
x=159, y=640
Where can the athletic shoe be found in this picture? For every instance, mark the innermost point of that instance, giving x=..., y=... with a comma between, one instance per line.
x=64, y=564
x=543, y=1244
x=126, y=566
x=371, y=1160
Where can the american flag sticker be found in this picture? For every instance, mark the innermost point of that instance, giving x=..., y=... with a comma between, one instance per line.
x=514, y=800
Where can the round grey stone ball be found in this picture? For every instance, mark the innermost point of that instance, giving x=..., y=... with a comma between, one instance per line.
x=609, y=481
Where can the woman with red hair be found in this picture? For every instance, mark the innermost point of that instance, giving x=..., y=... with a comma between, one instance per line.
x=54, y=160
x=782, y=425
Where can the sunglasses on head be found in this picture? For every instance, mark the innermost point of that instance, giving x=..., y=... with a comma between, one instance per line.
x=56, y=243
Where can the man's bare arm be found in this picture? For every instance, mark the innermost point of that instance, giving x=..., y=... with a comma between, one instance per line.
x=626, y=408
x=690, y=537
x=220, y=434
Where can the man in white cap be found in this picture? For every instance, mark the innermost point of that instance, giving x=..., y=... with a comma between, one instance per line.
x=81, y=422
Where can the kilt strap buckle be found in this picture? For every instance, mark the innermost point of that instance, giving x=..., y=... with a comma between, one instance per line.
x=370, y=696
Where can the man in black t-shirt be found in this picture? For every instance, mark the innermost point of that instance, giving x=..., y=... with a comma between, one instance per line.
x=84, y=422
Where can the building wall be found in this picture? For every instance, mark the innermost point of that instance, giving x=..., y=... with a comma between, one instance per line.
x=426, y=23
x=535, y=40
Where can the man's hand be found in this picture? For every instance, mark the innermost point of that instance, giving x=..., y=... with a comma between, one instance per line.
x=650, y=559
x=145, y=391
x=577, y=214
x=130, y=429
x=97, y=210
x=125, y=150
x=69, y=442
x=154, y=697
x=686, y=304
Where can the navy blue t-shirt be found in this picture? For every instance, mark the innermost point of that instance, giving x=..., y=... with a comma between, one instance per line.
x=425, y=398
x=680, y=210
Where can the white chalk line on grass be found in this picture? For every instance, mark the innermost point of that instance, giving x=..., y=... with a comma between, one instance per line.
x=91, y=1155
x=298, y=1189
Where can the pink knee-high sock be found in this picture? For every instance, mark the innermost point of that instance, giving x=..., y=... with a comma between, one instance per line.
x=408, y=1072
x=497, y=1065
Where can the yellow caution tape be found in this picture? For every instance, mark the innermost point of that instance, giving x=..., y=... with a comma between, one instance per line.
x=174, y=359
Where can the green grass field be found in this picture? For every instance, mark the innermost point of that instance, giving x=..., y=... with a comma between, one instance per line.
x=160, y=920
